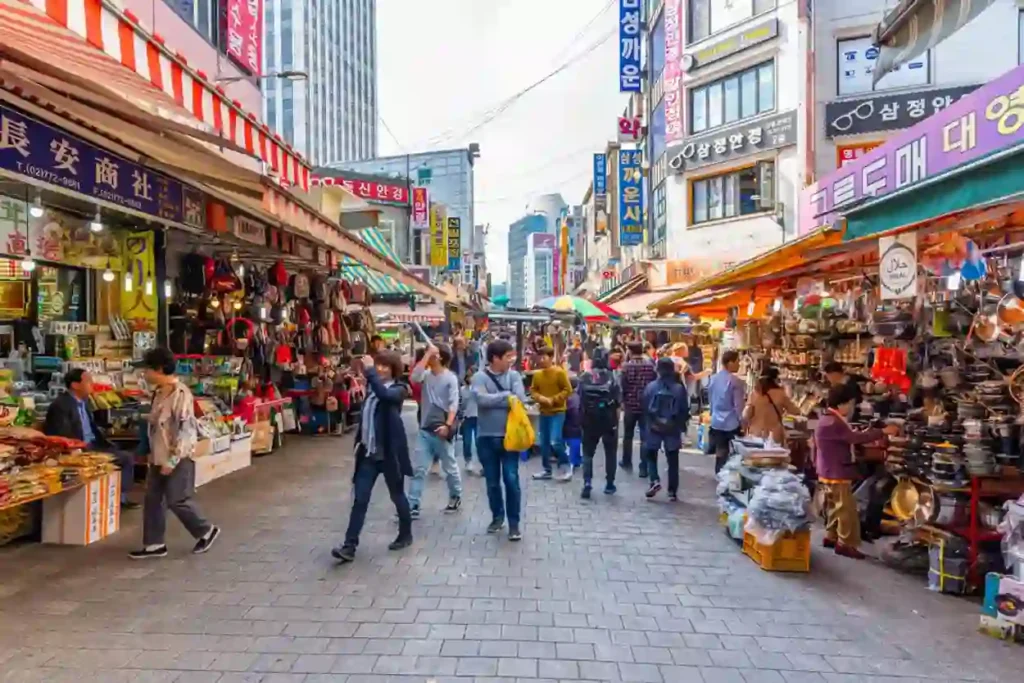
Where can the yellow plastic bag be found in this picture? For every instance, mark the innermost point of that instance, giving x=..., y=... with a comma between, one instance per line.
x=518, y=430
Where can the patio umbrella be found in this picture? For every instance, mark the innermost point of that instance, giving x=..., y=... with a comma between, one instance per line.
x=573, y=304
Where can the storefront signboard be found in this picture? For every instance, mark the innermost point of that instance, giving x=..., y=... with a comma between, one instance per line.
x=629, y=46
x=249, y=230
x=671, y=80
x=884, y=112
x=734, y=142
x=897, y=266
x=304, y=249
x=245, y=34
x=847, y=154
x=729, y=46
x=600, y=182
x=438, y=242
x=57, y=237
x=32, y=149
x=631, y=198
x=454, y=243
x=420, y=208
x=372, y=191
x=986, y=121
x=139, y=306
x=193, y=212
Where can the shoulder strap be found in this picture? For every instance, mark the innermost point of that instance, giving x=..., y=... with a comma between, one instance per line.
x=768, y=395
x=496, y=382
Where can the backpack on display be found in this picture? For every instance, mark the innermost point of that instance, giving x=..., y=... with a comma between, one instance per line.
x=278, y=275
x=597, y=392
x=300, y=286
x=319, y=289
x=224, y=279
x=662, y=410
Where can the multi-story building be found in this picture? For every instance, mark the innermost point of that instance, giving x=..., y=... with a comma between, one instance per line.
x=330, y=115
x=853, y=114
x=448, y=177
x=518, y=239
x=539, y=267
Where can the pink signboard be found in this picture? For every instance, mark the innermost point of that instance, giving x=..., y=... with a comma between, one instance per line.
x=672, y=80
x=985, y=121
x=245, y=34
x=420, y=208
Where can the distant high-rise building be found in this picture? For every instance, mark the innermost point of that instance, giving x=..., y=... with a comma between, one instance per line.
x=330, y=116
x=518, y=237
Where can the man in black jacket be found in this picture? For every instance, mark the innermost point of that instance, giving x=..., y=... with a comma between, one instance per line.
x=69, y=416
x=381, y=447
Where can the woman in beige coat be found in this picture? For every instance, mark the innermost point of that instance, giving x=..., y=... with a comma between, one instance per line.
x=767, y=404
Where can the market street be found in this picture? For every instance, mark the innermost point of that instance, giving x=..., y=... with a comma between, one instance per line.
x=614, y=589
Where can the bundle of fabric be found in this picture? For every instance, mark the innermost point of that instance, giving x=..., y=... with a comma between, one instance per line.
x=780, y=503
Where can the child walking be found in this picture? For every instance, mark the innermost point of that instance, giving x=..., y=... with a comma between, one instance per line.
x=467, y=406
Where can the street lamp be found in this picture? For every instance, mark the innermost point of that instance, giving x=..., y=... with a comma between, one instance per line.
x=285, y=75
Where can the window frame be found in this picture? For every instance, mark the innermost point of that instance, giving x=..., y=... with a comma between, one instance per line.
x=874, y=88
x=692, y=5
x=706, y=181
x=705, y=88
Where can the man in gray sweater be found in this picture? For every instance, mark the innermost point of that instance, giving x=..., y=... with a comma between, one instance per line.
x=492, y=387
x=440, y=404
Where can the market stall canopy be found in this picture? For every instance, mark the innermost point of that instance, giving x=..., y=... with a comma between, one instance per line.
x=624, y=289
x=634, y=304
x=773, y=261
x=378, y=283
x=108, y=51
x=915, y=26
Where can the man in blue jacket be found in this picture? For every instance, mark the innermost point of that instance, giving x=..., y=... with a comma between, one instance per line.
x=666, y=411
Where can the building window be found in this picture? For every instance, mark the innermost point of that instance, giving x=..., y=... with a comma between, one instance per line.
x=724, y=196
x=658, y=48
x=657, y=132
x=855, y=64
x=733, y=98
x=711, y=16
x=203, y=15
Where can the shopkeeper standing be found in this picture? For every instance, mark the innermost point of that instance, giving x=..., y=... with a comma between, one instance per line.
x=69, y=416
x=837, y=377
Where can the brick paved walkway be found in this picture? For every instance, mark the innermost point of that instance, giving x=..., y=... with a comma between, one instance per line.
x=614, y=589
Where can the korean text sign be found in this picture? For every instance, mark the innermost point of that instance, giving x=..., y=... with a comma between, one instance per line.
x=629, y=45
x=420, y=208
x=631, y=198
x=245, y=34
x=371, y=191
x=34, y=149
x=454, y=243
x=672, y=78
x=600, y=180
x=438, y=244
x=989, y=119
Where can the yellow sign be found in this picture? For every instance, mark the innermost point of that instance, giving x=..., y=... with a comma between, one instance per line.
x=438, y=236
x=139, y=306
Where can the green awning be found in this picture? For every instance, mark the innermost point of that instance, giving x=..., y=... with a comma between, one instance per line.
x=376, y=282
x=963, y=189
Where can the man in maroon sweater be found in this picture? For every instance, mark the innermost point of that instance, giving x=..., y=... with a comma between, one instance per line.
x=637, y=373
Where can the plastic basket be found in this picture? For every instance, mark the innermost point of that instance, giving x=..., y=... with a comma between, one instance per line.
x=790, y=553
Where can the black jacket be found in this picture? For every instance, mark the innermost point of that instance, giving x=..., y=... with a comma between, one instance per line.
x=62, y=420
x=389, y=430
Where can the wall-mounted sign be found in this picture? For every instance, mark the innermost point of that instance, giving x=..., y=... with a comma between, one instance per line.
x=881, y=112
x=304, y=250
x=454, y=243
x=249, y=230
x=631, y=198
x=847, y=154
x=897, y=266
x=600, y=182
x=629, y=45
x=630, y=128
x=372, y=191
x=733, y=142
x=245, y=33
x=671, y=86
x=438, y=244
x=57, y=236
x=420, y=208
x=731, y=45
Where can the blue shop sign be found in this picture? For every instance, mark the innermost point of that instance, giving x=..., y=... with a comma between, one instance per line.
x=37, y=150
x=631, y=198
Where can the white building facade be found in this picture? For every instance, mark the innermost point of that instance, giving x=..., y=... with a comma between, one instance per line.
x=539, y=267
x=330, y=116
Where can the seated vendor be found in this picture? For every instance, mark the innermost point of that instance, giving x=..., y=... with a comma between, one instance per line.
x=69, y=416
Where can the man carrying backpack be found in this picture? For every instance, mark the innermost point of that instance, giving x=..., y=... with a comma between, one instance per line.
x=666, y=411
x=599, y=399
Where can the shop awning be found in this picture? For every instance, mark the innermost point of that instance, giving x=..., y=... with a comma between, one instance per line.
x=782, y=258
x=110, y=51
x=638, y=302
x=914, y=26
x=377, y=282
x=624, y=289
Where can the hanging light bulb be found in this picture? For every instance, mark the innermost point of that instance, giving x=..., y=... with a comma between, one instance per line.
x=750, y=307
x=27, y=263
x=36, y=210
x=129, y=284
x=237, y=305
x=108, y=274
x=168, y=290
x=97, y=222
x=953, y=281
x=149, y=283
x=777, y=306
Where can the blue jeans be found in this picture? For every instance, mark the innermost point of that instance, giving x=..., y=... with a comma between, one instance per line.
x=551, y=440
x=500, y=466
x=575, y=451
x=431, y=446
x=468, y=430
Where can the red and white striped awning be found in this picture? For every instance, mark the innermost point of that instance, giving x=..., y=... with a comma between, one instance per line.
x=121, y=37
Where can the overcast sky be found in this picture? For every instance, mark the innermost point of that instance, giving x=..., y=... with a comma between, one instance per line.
x=444, y=63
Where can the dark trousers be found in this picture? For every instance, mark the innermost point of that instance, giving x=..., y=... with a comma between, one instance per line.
x=500, y=466
x=608, y=437
x=172, y=491
x=673, y=468
x=631, y=422
x=721, y=440
x=366, y=477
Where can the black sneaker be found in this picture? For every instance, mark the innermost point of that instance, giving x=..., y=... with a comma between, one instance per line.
x=400, y=542
x=414, y=512
x=628, y=466
x=454, y=503
x=585, y=494
x=495, y=526
x=207, y=541
x=642, y=472
x=673, y=497
x=653, y=490
x=514, y=534
x=345, y=553
x=145, y=554
x=130, y=505
x=609, y=489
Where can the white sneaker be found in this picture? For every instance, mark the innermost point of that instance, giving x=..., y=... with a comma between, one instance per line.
x=564, y=474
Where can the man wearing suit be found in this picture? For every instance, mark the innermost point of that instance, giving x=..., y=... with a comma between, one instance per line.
x=69, y=416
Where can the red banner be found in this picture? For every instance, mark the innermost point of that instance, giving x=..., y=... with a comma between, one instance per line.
x=245, y=34
x=420, y=208
x=371, y=191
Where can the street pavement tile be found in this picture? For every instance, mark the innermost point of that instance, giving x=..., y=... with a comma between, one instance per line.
x=618, y=590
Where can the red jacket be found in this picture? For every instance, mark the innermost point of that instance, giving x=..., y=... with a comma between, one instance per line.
x=834, y=440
